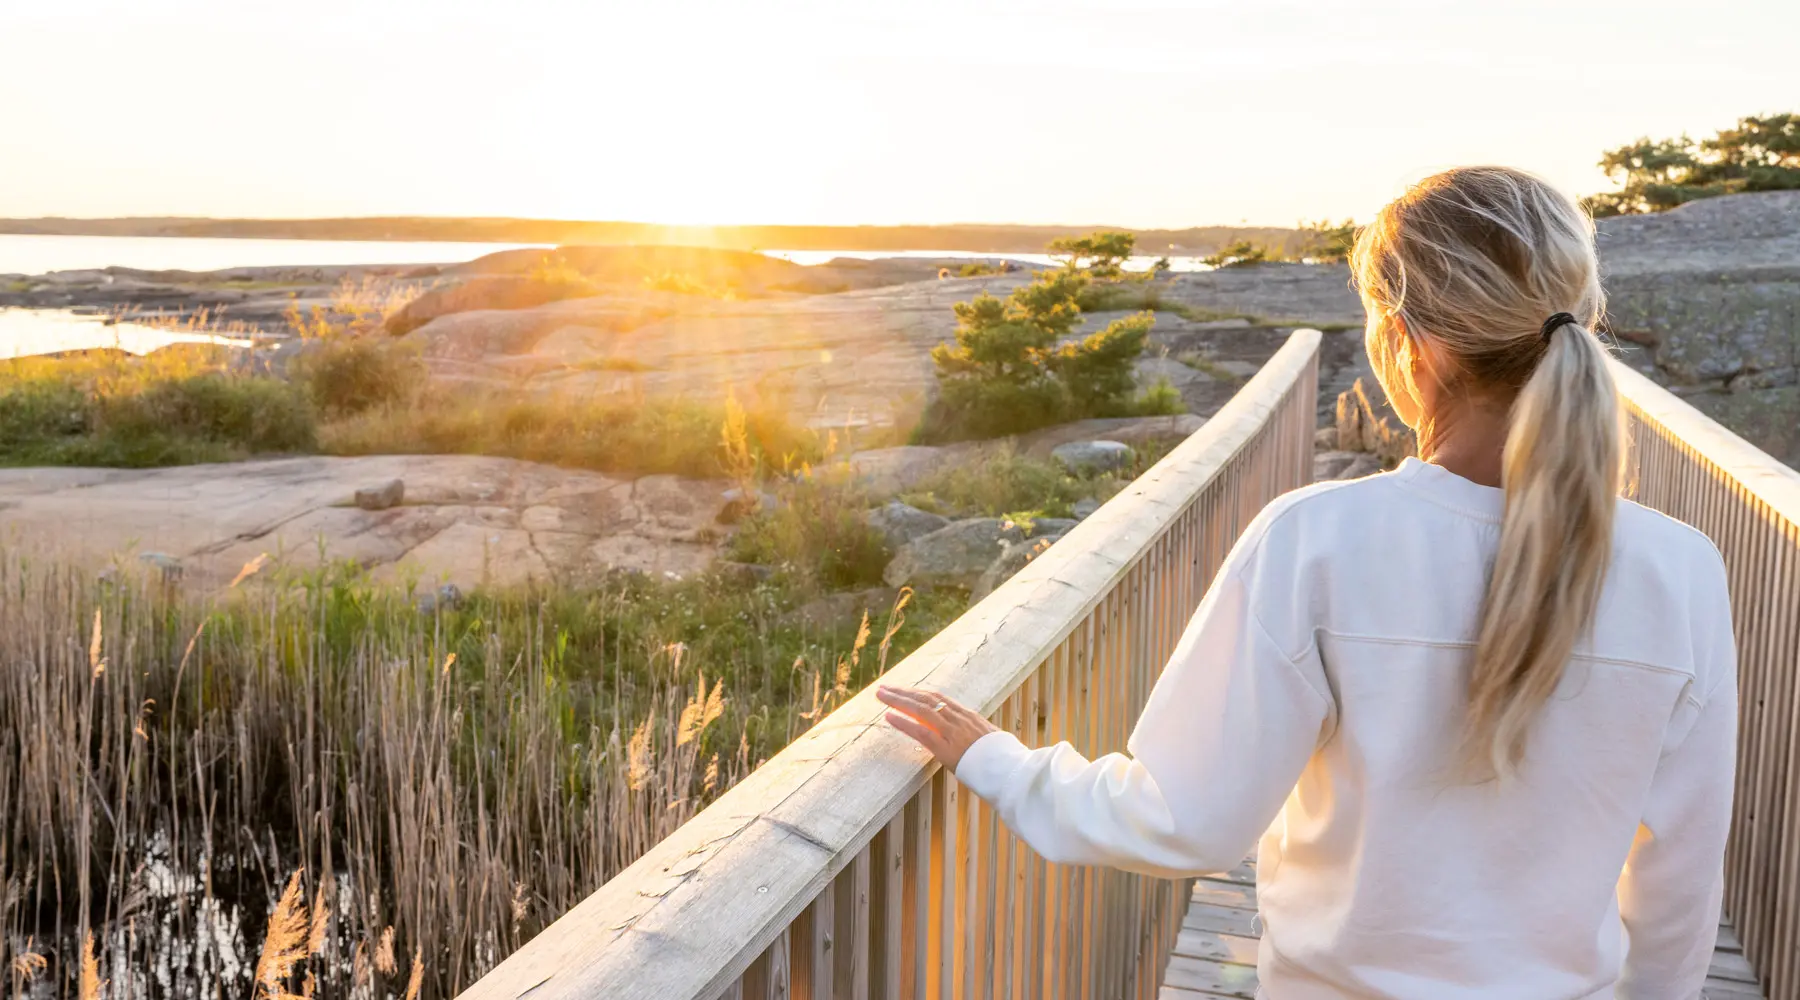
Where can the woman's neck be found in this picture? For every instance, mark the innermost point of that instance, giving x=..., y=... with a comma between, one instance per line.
x=1468, y=439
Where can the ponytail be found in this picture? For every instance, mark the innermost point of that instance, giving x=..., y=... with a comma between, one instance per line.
x=1466, y=266
x=1562, y=471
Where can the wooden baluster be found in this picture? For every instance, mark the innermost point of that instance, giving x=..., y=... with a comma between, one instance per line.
x=850, y=931
x=946, y=867
x=887, y=921
x=916, y=900
x=1053, y=943
x=767, y=977
x=810, y=949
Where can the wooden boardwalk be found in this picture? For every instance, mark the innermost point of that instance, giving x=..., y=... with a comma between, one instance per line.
x=1215, y=954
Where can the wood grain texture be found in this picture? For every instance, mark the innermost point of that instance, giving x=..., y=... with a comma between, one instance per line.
x=1691, y=468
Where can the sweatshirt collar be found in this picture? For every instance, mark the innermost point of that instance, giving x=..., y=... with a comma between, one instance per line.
x=1447, y=489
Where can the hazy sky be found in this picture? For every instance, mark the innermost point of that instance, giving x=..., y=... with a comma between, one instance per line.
x=1145, y=114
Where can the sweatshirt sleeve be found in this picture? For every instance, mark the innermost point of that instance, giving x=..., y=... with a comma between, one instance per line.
x=1674, y=881
x=1231, y=723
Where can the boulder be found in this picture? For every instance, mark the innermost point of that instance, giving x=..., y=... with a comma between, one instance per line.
x=388, y=494
x=1013, y=557
x=482, y=292
x=900, y=523
x=1092, y=456
x=477, y=336
x=448, y=597
x=740, y=504
x=1084, y=508
x=1051, y=527
x=1364, y=465
x=167, y=565
x=742, y=574
x=473, y=519
x=1328, y=465
x=843, y=610
x=952, y=556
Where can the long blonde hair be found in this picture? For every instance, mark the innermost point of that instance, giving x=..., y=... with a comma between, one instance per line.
x=1467, y=267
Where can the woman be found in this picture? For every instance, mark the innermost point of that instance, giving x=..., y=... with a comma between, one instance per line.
x=1481, y=710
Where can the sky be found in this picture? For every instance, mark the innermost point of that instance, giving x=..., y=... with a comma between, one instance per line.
x=1163, y=114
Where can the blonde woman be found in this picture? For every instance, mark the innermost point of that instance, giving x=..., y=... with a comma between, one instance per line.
x=1481, y=710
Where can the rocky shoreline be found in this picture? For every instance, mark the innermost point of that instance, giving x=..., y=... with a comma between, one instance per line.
x=1705, y=299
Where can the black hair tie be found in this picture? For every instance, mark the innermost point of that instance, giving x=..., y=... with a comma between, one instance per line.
x=1555, y=323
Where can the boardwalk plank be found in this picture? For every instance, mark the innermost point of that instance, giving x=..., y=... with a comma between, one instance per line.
x=1220, y=919
x=1215, y=946
x=1225, y=893
x=1215, y=978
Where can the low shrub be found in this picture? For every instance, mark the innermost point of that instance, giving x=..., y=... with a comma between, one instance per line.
x=814, y=531
x=1003, y=482
x=348, y=373
x=182, y=408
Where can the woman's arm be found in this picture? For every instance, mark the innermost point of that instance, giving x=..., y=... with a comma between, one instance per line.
x=1230, y=725
x=1670, y=891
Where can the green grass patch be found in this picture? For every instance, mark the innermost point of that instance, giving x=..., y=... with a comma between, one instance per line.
x=1006, y=482
x=607, y=435
x=813, y=531
x=130, y=412
x=1200, y=361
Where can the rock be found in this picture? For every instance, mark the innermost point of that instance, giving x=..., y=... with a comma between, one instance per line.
x=1084, y=508
x=899, y=523
x=473, y=519
x=1012, y=558
x=742, y=574
x=952, y=556
x=167, y=565
x=843, y=610
x=448, y=597
x=1326, y=438
x=388, y=494
x=1365, y=464
x=1092, y=456
x=900, y=468
x=1051, y=527
x=1329, y=465
x=740, y=504
x=480, y=292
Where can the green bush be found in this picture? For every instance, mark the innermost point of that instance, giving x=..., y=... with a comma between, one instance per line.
x=347, y=373
x=142, y=413
x=1761, y=153
x=241, y=414
x=1011, y=370
x=1004, y=482
x=815, y=531
x=1242, y=253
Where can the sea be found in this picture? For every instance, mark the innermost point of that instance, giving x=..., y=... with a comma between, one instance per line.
x=42, y=331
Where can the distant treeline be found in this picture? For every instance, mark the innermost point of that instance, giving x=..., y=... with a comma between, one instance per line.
x=972, y=238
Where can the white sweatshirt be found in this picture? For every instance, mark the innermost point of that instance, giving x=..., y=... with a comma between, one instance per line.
x=1317, y=698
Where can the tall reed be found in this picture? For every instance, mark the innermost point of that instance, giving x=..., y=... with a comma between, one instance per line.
x=443, y=783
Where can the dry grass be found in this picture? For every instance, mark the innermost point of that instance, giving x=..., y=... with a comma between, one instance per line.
x=440, y=786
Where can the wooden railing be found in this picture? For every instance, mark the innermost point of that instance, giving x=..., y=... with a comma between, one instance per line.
x=1692, y=469
x=851, y=866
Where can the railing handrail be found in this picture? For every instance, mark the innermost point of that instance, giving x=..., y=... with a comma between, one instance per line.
x=687, y=918
x=1752, y=468
x=1691, y=468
